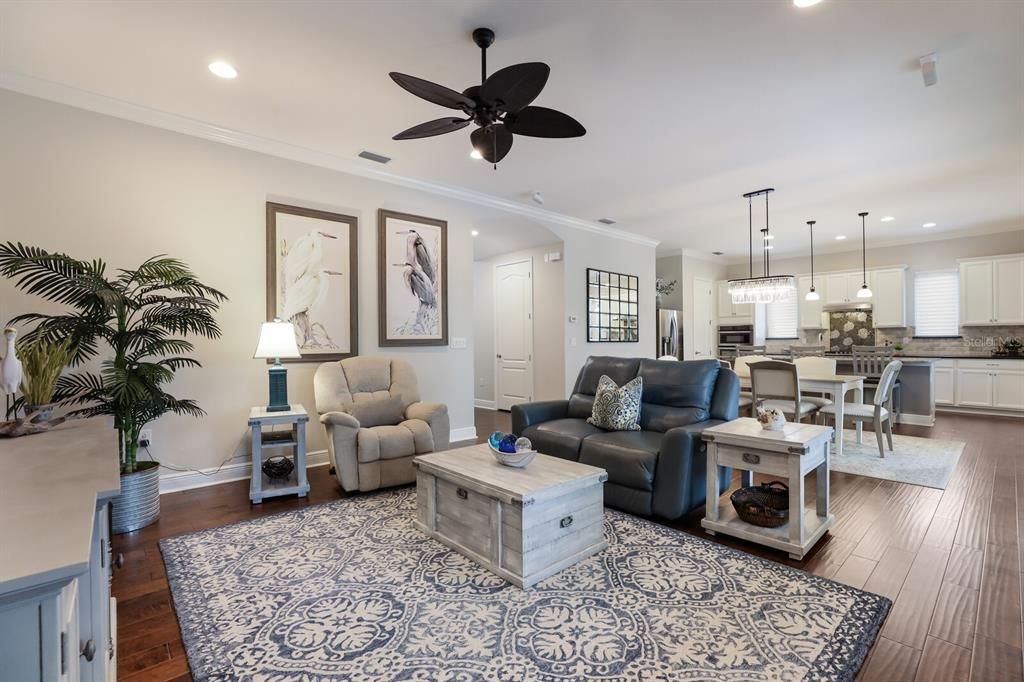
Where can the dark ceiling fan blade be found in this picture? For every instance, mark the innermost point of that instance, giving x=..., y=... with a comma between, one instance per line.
x=432, y=92
x=438, y=126
x=544, y=122
x=514, y=87
x=493, y=142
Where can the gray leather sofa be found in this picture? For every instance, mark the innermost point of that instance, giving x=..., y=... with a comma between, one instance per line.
x=660, y=470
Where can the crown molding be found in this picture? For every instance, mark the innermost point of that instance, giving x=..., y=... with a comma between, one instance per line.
x=117, y=108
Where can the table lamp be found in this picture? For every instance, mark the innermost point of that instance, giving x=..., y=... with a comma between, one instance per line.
x=277, y=340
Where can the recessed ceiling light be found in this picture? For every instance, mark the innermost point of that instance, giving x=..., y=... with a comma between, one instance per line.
x=769, y=237
x=223, y=69
x=769, y=247
x=888, y=219
x=928, y=225
x=805, y=3
x=840, y=237
x=475, y=232
x=476, y=155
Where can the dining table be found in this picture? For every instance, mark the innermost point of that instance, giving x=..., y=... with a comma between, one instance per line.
x=835, y=386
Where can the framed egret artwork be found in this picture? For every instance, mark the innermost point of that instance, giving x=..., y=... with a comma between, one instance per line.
x=312, y=279
x=412, y=274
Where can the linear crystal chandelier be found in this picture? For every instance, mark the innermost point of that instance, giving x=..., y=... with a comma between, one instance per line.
x=768, y=287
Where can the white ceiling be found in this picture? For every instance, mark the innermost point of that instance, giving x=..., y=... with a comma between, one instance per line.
x=687, y=105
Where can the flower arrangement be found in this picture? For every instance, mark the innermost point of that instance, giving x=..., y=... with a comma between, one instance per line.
x=664, y=287
x=771, y=418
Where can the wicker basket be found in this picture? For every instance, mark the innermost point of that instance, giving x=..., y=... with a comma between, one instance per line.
x=765, y=505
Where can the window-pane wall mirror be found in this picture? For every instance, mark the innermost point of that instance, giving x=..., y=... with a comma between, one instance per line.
x=612, y=307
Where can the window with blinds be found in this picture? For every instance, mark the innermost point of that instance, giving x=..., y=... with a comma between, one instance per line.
x=937, y=303
x=782, y=318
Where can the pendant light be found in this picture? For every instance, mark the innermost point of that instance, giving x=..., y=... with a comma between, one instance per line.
x=864, y=292
x=767, y=288
x=812, y=295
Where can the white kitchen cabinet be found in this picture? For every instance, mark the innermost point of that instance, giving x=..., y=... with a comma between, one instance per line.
x=992, y=291
x=810, y=311
x=1008, y=390
x=945, y=382
x=842, y=287
x=1008, y=290
x=889, y=299
x=732, y=313
x=973, y=387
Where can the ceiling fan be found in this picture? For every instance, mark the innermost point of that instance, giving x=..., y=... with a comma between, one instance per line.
x=499, y=106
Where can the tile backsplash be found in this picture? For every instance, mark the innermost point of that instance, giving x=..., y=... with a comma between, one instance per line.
x=972, y=340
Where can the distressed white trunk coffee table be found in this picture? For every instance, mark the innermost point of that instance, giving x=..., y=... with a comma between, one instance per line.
x=791, y=454
x=521, y=524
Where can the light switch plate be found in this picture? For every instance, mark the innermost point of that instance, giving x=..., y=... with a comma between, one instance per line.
x=458, y=342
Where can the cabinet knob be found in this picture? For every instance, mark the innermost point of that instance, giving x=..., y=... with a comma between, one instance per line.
x=89, y=650
x=119, y=560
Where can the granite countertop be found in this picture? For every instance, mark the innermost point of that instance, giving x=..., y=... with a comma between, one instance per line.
x=48, y=494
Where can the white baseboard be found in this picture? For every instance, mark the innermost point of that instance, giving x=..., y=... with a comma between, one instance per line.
x=173, y=481
x=981, y=411
x=485, y=404
x=916, y=419
x=465, y=433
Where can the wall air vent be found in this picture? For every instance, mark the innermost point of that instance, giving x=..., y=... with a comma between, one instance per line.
x=370, y=156
x=606, y=221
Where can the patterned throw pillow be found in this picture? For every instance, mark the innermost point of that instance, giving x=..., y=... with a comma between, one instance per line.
x=617, y=408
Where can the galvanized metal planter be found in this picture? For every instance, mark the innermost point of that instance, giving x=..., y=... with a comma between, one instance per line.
x=138, y=505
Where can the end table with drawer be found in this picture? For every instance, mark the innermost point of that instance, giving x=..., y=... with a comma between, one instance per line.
x=791, y=454
x=261, y=422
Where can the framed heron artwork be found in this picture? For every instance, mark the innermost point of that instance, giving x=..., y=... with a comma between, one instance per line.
x=412, y=272
x=312, y=279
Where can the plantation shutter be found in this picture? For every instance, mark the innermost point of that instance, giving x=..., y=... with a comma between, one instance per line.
x=937, y=303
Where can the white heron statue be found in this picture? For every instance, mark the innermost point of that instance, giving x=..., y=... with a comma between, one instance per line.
x=10, y=368
x=304, y=285
x=416, y=253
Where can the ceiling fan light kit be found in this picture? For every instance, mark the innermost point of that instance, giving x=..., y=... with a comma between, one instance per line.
x=768, y=287
x=500, y=106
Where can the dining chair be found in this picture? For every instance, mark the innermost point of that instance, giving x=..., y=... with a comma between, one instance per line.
x=806, y=351
x=869, y=362
x=749, y=350
x=725, y=364
x=776, y=383
x=879, y=411
x=810, y=364
x=742, y=368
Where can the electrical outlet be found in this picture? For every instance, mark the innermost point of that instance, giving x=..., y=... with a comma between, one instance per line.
x=145, y=438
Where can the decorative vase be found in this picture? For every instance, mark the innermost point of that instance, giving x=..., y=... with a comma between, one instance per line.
x=771, y=419
x=138, y=505
x=44, y=412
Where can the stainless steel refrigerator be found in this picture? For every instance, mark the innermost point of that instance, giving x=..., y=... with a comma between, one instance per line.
x=670, y=333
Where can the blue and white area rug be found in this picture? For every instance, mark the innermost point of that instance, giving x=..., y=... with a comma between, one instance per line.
x=350, y=590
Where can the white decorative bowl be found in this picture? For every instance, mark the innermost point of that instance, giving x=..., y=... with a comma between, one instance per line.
x=513, y=459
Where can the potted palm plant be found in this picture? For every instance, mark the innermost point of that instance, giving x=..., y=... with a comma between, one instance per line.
x=127, y=334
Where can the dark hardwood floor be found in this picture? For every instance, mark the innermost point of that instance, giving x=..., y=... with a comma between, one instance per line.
x=950, y=560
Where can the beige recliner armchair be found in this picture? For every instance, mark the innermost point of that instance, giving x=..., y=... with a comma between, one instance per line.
x=395, y=427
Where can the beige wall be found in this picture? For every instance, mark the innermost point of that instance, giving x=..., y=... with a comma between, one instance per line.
x=671, y=268
x=548, y=330
x=99, y=187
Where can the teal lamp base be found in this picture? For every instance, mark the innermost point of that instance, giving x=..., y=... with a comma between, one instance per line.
x=278, y=388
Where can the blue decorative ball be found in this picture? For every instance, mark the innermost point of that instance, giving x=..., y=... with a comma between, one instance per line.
x=495, y=439
x=508, y=443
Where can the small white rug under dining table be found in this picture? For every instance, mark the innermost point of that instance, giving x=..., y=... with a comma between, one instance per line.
x=918, y=461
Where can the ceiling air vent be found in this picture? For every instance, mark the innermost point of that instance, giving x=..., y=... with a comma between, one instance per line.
x=606, y=221
x=716, y=253
x=370, y=156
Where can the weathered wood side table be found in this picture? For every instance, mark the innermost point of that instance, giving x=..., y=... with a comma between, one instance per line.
x=262, y=486
x=792, y=454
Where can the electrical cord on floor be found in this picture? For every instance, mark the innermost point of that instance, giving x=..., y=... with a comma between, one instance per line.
x=179, y=468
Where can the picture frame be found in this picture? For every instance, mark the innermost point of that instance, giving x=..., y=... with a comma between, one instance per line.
x=313, y=279
x=412, y=277
x=613, y=307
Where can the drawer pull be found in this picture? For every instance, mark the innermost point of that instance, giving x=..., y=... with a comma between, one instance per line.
x=751, y=459
x=119, y=560
x=89, y=650
x=461, y=492
x=566, y=522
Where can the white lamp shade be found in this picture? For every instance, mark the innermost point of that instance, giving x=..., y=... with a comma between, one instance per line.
x=812, y=295
x=864, y=292
x=277, y=340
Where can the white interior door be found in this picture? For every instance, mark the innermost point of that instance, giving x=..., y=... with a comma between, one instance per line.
x=513, y=333
x=703, y=300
